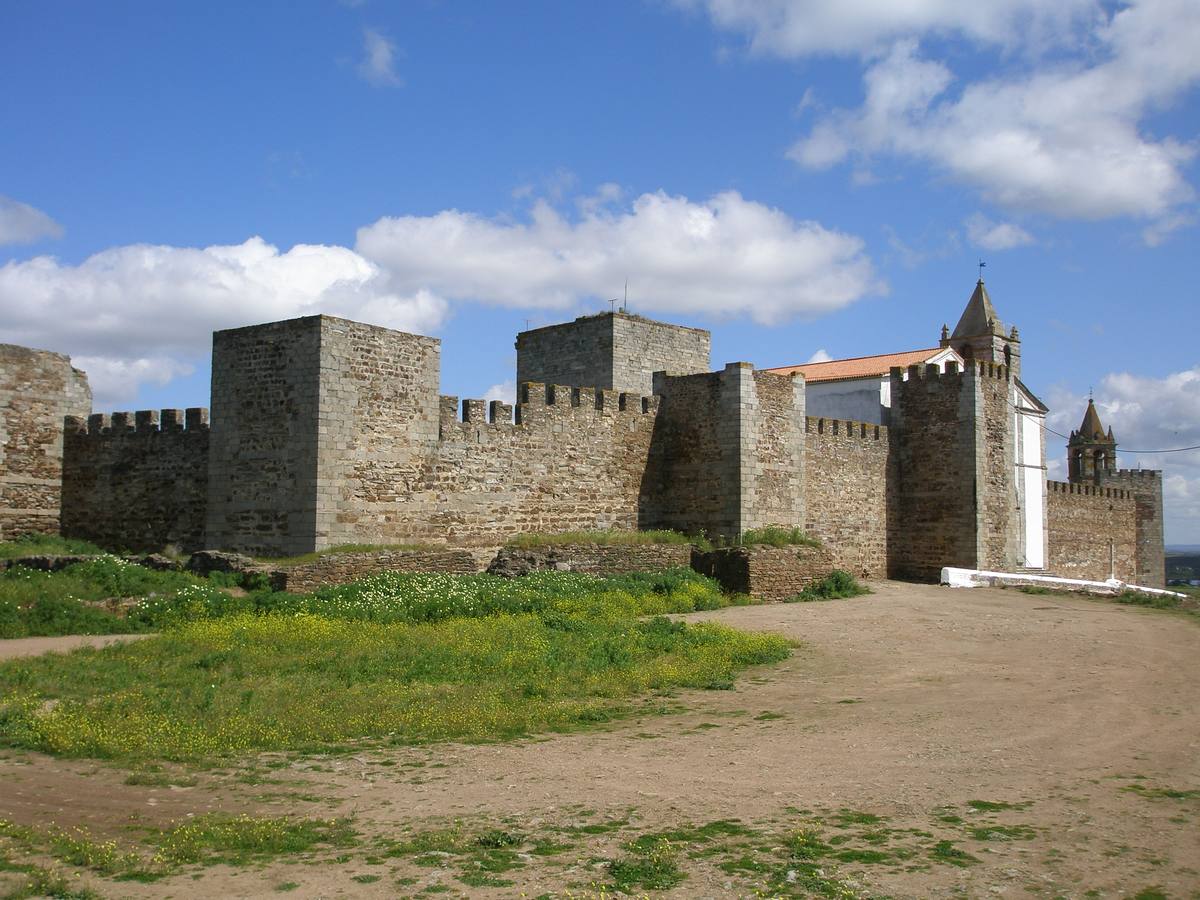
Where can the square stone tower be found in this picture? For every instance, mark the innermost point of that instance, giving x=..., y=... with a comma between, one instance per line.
x=615, y=351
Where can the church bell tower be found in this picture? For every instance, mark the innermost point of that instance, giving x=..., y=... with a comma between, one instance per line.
x=1091, y=453
x=980, y=334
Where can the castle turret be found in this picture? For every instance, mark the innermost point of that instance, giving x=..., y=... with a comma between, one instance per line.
x=980, y=334
x=1091, y=452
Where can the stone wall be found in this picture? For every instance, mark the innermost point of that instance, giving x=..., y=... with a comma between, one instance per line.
x=1146, y=488
x=37, y=391
x=694, y=455
x=1091, y=532
x=850, y=493
x=766, y=573
x=614, y=351
x=592, y=559
x=999, y=538
x=377, y=431
x=262, y=486
x=342, y=568
x=773, y=445
x=137, y=481
x=933, y=422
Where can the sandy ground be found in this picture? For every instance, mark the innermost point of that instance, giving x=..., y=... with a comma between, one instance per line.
x=36, y=646
x=902, y=703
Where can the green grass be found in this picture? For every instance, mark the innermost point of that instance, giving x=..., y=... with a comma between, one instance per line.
x=775, y=536
x=1153, y=601
x=652, y=866
x=559, y=653
x=35, y=603
x=609, y=538
x=46, y=545
x=836, y=585
x=340, y=549
x=204, y=840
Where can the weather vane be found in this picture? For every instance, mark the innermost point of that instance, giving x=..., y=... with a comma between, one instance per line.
x=982, y=266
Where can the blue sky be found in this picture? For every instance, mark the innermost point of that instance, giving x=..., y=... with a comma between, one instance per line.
x=798, y=177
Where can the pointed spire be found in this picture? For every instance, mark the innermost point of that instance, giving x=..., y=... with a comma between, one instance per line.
x=979, y=317
x=1091, y=429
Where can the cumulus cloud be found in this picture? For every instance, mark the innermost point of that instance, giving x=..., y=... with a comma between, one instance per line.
x=144, y=314
x=378, y=64
x=1147, y=414
x=21, y=223
x=983, y=232
x=849, y=27
x=821, y=355
x=505, y=392
x=1060, y=128
x=725, y=256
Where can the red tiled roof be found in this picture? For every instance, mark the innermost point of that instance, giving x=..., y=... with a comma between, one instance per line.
x=859, y=366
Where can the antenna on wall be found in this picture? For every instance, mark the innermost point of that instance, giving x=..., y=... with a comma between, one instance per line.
x=625, y=305
x=612, y=305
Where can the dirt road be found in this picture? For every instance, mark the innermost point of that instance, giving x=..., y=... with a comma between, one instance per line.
x=1065, y=731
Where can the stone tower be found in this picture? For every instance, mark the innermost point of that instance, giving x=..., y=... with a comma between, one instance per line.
x=1091, y=452
x=980, y=334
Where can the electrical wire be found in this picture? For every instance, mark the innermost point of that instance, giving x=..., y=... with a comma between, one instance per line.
x=1046, y=427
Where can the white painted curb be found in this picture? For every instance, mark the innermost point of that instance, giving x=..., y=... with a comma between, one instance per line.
x=969, y=578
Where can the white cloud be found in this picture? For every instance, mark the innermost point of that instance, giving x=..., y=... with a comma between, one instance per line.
x=1148, y=414
x=505, y=392
x=116, y=381
x=378, y=65
x=983, y=232
x=821, y=355
x=1059, y=127
x=1063, y=140
x=726, y=256
x=850, y=27
x=144, y=314
x=21, y=223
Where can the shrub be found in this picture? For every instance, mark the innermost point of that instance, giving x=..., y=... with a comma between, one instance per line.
x=774, y=536
x=834, y=586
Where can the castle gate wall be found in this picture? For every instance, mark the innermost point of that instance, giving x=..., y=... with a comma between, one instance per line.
x=1092, y=532
x=137, y=481
x=850, y=496
x=38, y=390
x=1146, y=488
x=772, y=441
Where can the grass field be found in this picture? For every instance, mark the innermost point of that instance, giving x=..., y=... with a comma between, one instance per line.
x=394, y=658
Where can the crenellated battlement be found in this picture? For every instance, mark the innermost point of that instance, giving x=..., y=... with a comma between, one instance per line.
x=931, y=372
x=1137, y=474
x=143, y=421
x=1087, y=490
x=847, y=428
x=563, y=406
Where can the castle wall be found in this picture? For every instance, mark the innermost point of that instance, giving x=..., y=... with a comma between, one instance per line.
x=1092, y=532
x=773, y=442
x=850, y=492
x=137, y=482
x=377, y=428
x=1146, y=488
x=1000, y=526
x=614, y=351
x=38, y=390
x=263, y=443
x=933, y=436
x=695, y=484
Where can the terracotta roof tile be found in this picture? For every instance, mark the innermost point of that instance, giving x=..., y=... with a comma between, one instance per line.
x=859, y=366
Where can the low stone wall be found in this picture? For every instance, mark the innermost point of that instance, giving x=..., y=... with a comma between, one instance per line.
x=591, y=559
x=766, y=573
x=342, y=568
